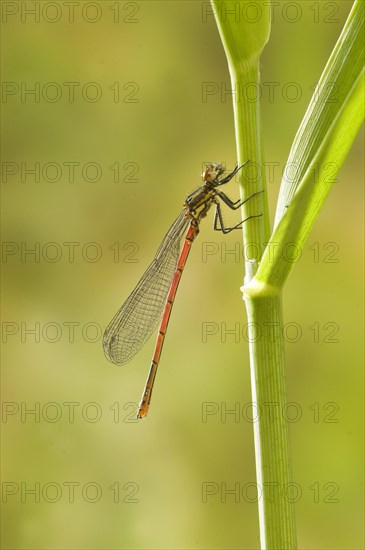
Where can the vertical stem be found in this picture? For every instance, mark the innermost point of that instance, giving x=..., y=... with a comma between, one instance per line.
x=264, y=311
x=246, y=81
x=243, y=43
x=273, y=468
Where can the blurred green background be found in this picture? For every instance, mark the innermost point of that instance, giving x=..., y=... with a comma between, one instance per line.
x=99, y=478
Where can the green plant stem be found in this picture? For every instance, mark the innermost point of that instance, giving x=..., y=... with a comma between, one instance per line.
x=323, y=140
x=249, y=147
x=264, y=313
x=243, y=44
x=273, y=468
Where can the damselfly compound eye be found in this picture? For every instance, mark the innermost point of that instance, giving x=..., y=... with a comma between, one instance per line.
x=213, y=171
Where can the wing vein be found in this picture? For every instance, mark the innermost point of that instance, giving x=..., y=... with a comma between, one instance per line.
x=140, y=314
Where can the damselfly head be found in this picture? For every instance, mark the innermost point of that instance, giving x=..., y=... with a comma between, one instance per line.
x=213, y=171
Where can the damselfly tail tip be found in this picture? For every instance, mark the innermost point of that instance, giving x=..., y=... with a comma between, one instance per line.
x=142, y=410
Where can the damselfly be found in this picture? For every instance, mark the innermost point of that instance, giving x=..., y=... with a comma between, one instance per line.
x=154, y=295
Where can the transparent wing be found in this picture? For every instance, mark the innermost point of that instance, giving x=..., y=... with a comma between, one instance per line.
x=142, y=311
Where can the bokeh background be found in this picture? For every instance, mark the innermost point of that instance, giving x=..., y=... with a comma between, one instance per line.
x=99, y=478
